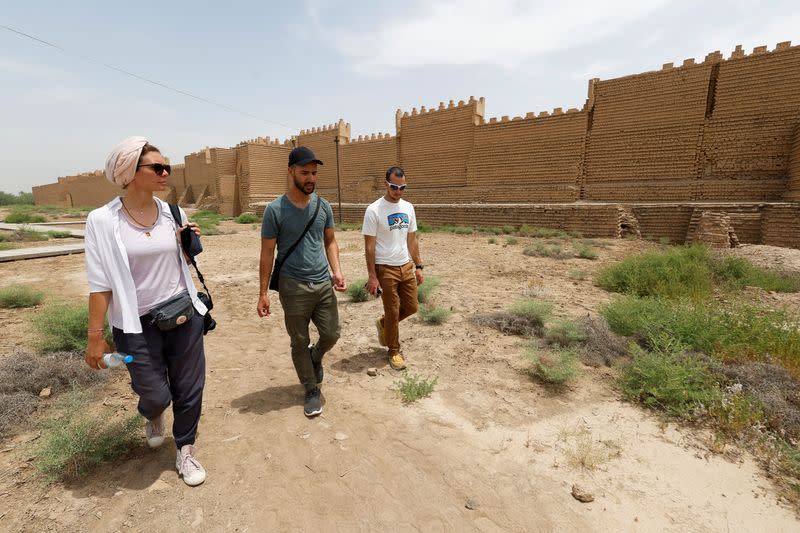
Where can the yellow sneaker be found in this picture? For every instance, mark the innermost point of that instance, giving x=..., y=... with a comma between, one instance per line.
x=397, y=362
x=381, y=336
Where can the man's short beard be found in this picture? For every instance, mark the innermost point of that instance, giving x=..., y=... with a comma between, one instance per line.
x=301, y=187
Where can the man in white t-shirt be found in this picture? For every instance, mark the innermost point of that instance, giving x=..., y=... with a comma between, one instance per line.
x=393, y=260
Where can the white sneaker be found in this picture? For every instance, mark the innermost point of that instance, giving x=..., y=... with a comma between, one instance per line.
x=188, y=467
x=154, y=431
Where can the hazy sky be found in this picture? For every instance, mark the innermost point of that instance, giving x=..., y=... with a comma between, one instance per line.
x=296, y=65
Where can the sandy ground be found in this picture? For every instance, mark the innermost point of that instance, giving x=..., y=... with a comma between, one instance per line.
x=490, y=450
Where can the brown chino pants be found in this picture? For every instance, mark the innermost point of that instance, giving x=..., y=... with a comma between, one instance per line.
x=399, y=285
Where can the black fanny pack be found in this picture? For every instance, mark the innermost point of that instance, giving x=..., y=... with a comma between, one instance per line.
x=173, y=312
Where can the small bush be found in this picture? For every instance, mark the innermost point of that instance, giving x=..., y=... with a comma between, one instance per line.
x=535, y=311
x=422, y=227
x=739, y=272
x=19, y=217
x=735, y=412
x=247, y=218
x=413, y=387
x=348, y=226
x=577, y=274
x=6, y=246
x=24, y=234
x=492, y=240
x=424, y=291
x=59, y=234
x=555, y=367
x=208, y=221
x=549, y=232
x=357, y=291
x=677, y=272
x=461, y=230
x=62, y=327
x=564, y=333
x=539, y=249
x=525, y=230
x=511, y=241
x=670, y=380
x=586, y=252
x=602, y=346
x=20, y=296
x=73, y=441
x=430, y=314
x=664, y=241
x=509, y=324
x=15, y=408
x=508, y=230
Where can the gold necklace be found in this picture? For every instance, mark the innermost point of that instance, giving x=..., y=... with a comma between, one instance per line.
x=141, y=211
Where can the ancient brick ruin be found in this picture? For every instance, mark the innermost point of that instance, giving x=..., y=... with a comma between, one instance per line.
x=713, y=145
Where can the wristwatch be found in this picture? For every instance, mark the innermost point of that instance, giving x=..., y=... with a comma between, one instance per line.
x=419, y=267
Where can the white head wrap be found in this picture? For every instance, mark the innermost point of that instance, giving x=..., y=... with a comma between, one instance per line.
x=121, y=162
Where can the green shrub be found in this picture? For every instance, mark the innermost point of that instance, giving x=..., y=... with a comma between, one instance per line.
x=739, y=272
x=430, y=314
x=492, y=240
x=564, y=333
x=59, y=234
x=539, y=249
x=357, y=291
x=511, y=241
x=73, y=441
x=347, y=226
x=536, y=311
x=507, y=229
x=669, y=380
x=208, y=221
x=24, y=234
x=413, y=387
x=525, y=230
x=422, y=227
x=549, y=232
x=461, y=230
x=20, y=296
x=586, y=252
x=555, y=367
x=424, y=291
x=247, y=218
x=19, y=217
x=577, y=274
x=6, y=246
x=16, y=199
x=677, y=272
x=62, y=328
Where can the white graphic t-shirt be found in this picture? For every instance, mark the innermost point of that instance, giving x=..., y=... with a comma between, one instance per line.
x=390, y=224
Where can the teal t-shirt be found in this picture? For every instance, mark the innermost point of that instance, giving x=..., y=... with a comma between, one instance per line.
x=285, y=222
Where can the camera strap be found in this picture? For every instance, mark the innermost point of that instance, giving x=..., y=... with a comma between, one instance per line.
x=176, y=215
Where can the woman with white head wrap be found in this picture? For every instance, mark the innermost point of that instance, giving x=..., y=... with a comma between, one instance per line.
x=134, y=264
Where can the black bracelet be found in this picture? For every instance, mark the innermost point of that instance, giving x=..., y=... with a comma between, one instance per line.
x=419, y=267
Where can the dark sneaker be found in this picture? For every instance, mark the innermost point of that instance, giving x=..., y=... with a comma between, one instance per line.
x=318, y=371
x=313, y=405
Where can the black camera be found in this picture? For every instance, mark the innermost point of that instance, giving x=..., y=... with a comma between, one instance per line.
x=208, y=323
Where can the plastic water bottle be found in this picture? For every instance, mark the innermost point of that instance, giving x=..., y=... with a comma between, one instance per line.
x=116, y=359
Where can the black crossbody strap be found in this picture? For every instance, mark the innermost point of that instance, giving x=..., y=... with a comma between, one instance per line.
x=293, y=246
x=176, y=215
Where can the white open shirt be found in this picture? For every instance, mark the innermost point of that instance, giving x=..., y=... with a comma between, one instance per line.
x=107, y=267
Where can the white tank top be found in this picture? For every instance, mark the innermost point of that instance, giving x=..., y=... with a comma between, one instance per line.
x=153, y=255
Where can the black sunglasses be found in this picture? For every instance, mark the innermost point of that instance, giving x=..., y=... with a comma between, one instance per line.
x=396, y=187
x=158, y=168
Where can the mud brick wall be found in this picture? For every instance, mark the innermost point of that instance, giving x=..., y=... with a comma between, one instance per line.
x=644, y=133
x=176, y=179
x=434, y=145
x=322, y=142
x=793, y=187
x=205, y=167
x=754, y=108
x=780, y=225
x=90, y=190
x=364, y=162
x=540, y=156
x=663, y=220
x=261, y=168
x=50, y=194
x=228, y=195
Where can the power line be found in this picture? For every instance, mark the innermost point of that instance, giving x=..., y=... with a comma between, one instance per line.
x=142, y=78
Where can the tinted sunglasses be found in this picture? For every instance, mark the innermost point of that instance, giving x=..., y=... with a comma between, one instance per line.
x=395, y=187
x=158, y=168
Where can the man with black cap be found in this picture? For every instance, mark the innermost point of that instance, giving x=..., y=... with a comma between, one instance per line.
x=300, y=224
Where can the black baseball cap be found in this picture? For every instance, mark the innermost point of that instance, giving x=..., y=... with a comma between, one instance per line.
x=302, y=156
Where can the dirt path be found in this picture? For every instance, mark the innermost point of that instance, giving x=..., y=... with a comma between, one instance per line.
x=491, y=450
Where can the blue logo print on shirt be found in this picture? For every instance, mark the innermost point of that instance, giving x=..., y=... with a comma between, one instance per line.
x=398, y=221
